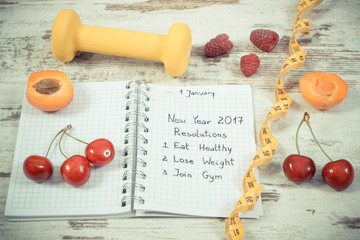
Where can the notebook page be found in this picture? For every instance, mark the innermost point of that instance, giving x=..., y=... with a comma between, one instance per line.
x=200, y=143
x=95, y=112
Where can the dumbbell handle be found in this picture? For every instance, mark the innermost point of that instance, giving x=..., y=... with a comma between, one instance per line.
x=120, y=42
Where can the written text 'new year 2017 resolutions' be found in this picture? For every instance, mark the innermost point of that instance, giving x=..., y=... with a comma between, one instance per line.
x=210, y=151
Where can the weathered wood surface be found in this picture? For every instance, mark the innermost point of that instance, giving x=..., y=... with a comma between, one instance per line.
x=307, y=211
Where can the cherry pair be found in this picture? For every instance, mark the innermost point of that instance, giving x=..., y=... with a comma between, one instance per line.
x=298, y=168
x=75, y=170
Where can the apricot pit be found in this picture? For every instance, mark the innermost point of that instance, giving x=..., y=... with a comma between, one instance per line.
x=49, y=90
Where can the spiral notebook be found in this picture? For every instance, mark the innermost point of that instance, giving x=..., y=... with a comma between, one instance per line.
x=180, y=151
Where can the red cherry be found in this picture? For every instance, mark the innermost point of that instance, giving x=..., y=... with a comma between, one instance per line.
x=298, y=168
x=100, y=152
x=338, y=174
x=76, y=170
x=38, y=168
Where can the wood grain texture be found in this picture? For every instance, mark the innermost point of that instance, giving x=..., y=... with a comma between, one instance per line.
x=307, y=211
x=158, y=5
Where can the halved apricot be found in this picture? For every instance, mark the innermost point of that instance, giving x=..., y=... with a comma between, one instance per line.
x=49, y=90
x=323, y=90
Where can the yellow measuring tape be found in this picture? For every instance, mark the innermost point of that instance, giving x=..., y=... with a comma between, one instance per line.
x=233, y=227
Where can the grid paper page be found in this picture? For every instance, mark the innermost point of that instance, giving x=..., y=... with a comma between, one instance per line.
x=95, y=112
x=201, y=141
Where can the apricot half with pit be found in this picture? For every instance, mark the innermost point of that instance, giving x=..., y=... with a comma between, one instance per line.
x=49, y=90
x=323, y=90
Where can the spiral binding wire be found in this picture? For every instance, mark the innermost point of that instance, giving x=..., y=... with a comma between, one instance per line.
x=128, y=198
x=138, y=82
x=127, y=186
x=128, y=161
x=139, y=125
x=135, y=92
x=134, y=102
x=132, y=135
x=134, y=113
x=139, y=174
x=138, y=148
x=136, y=107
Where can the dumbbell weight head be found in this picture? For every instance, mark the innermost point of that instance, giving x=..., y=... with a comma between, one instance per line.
x=63, y=35
x=177, y=49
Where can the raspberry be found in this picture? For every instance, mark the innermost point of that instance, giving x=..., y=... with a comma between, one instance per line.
x=218, y=45
x=266, y=40
x=249, y=64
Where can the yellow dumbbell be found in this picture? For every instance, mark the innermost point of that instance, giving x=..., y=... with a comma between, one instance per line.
x=70, y=36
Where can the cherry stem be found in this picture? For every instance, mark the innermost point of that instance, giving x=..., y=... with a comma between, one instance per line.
x=62, y=130
x=297, y=134
x=62, y=135
x=306, y=119
x=76, y=138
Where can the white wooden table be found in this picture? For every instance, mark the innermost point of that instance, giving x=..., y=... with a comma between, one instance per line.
x=308, y=211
